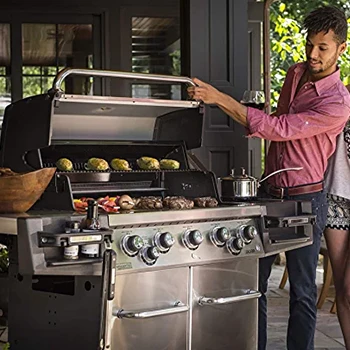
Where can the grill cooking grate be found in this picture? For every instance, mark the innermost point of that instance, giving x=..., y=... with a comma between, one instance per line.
x=79, y=168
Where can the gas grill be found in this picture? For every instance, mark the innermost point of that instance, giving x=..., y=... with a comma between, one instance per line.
x=162, y=279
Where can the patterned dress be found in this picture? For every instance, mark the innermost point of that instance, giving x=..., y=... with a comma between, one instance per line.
x=338, y=216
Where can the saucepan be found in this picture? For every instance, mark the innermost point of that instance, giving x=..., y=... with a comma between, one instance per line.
x=244, y=186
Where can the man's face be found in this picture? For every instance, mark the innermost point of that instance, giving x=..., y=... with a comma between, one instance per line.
x=322, y=52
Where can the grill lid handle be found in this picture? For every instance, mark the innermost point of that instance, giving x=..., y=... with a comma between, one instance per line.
x=115, y=74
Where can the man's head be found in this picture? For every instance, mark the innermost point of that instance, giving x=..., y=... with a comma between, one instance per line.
x=326, y=39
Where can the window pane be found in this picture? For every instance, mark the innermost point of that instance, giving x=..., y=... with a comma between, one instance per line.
x=156, y=49
x=47, y=48
x=5, y=58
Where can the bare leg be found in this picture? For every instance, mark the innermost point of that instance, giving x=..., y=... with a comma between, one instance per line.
x=338, y=244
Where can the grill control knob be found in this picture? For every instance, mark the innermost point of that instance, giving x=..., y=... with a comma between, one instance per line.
x=132, y=244
x=192, y=239
x=164, y=241
x=219, y=236
x=150, y=254
x=248, y=233
x=235, y=245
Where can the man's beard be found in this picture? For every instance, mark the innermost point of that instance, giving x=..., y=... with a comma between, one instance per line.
x=324, y=67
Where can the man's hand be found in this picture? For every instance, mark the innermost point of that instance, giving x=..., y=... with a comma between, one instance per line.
x=204, y=92
x=209, y=95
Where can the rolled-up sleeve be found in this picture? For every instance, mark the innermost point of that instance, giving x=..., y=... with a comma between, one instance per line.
x=296, y=126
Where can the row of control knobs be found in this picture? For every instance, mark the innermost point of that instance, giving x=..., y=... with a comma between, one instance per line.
x=192, y=239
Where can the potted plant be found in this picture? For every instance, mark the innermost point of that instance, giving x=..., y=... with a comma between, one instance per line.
x=4, y=284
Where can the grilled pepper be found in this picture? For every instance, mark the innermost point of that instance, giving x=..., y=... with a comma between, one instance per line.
x=120, y=164
x=97, y=164
x=148, y=163
x=169, y=164
x=64, y=164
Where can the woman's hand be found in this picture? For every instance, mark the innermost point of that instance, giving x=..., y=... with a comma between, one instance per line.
x=204, y=92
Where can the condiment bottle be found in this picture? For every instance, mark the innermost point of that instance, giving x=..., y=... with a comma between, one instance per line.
x=91, y=222
x=72, y=252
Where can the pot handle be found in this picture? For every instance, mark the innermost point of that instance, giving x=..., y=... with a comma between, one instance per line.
x=279, y=171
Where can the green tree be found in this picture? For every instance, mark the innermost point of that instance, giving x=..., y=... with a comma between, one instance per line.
x=288, y=40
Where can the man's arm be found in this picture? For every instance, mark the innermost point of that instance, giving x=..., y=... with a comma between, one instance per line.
x=209, y=95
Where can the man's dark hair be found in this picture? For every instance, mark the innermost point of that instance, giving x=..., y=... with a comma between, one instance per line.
x=326, y=18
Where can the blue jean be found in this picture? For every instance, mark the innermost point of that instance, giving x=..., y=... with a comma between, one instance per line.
x=301, y=265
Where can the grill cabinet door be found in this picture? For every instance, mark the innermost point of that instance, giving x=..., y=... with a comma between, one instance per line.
x=225, y=326
x=144, y=294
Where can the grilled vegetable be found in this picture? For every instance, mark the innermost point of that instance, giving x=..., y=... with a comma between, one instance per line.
x=120, y=164
x=64, y=164
x=126, y=202
x=169, y=164
x=148, y=163
x=97, y=164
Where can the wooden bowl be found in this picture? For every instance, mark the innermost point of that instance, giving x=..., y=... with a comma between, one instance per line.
x=18, y=193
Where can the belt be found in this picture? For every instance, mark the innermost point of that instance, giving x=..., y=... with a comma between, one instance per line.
x=281, y=192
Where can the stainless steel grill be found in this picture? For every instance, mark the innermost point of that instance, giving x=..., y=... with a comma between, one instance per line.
x=177, y=278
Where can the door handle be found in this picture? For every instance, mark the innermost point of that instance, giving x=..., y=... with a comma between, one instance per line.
x=142, y=314
x=249, y=294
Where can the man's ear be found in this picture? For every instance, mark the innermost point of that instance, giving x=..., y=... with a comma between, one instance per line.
x=343, y=47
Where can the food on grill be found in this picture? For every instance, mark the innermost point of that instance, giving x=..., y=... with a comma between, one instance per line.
x=205, y=202
x=120, y=164
x=169, y=164
x=150, y=202
x=80, y=205
x=126, y=202
x=178, y=203
x=107, y=204
x=148, y=163
x=97, y=164
x=7, y=172
x=64, y=164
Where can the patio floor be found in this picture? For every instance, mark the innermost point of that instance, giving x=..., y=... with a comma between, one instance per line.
x=328, y=335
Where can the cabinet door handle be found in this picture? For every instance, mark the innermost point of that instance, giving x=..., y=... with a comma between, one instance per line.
x=142, y=314
x=249, y=294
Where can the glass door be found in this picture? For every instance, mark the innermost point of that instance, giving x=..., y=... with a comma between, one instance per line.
x=48, y=48
x=151, y=43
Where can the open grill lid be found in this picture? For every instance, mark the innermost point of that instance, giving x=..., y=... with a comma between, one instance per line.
x=40, y=121
x=115, y=118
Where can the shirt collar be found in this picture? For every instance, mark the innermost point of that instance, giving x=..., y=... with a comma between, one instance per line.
x=322, y=84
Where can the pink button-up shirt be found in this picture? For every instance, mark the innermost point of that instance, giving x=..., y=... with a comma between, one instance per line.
x=304, y=129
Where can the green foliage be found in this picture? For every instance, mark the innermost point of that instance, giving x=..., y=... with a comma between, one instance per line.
x=6, y=346
x=176, y=62
x=288, y=40
x=4, y=259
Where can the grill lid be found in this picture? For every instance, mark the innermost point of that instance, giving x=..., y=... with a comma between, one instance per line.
x=113, y=118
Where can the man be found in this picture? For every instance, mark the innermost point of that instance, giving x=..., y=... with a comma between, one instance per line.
x=312, y=110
